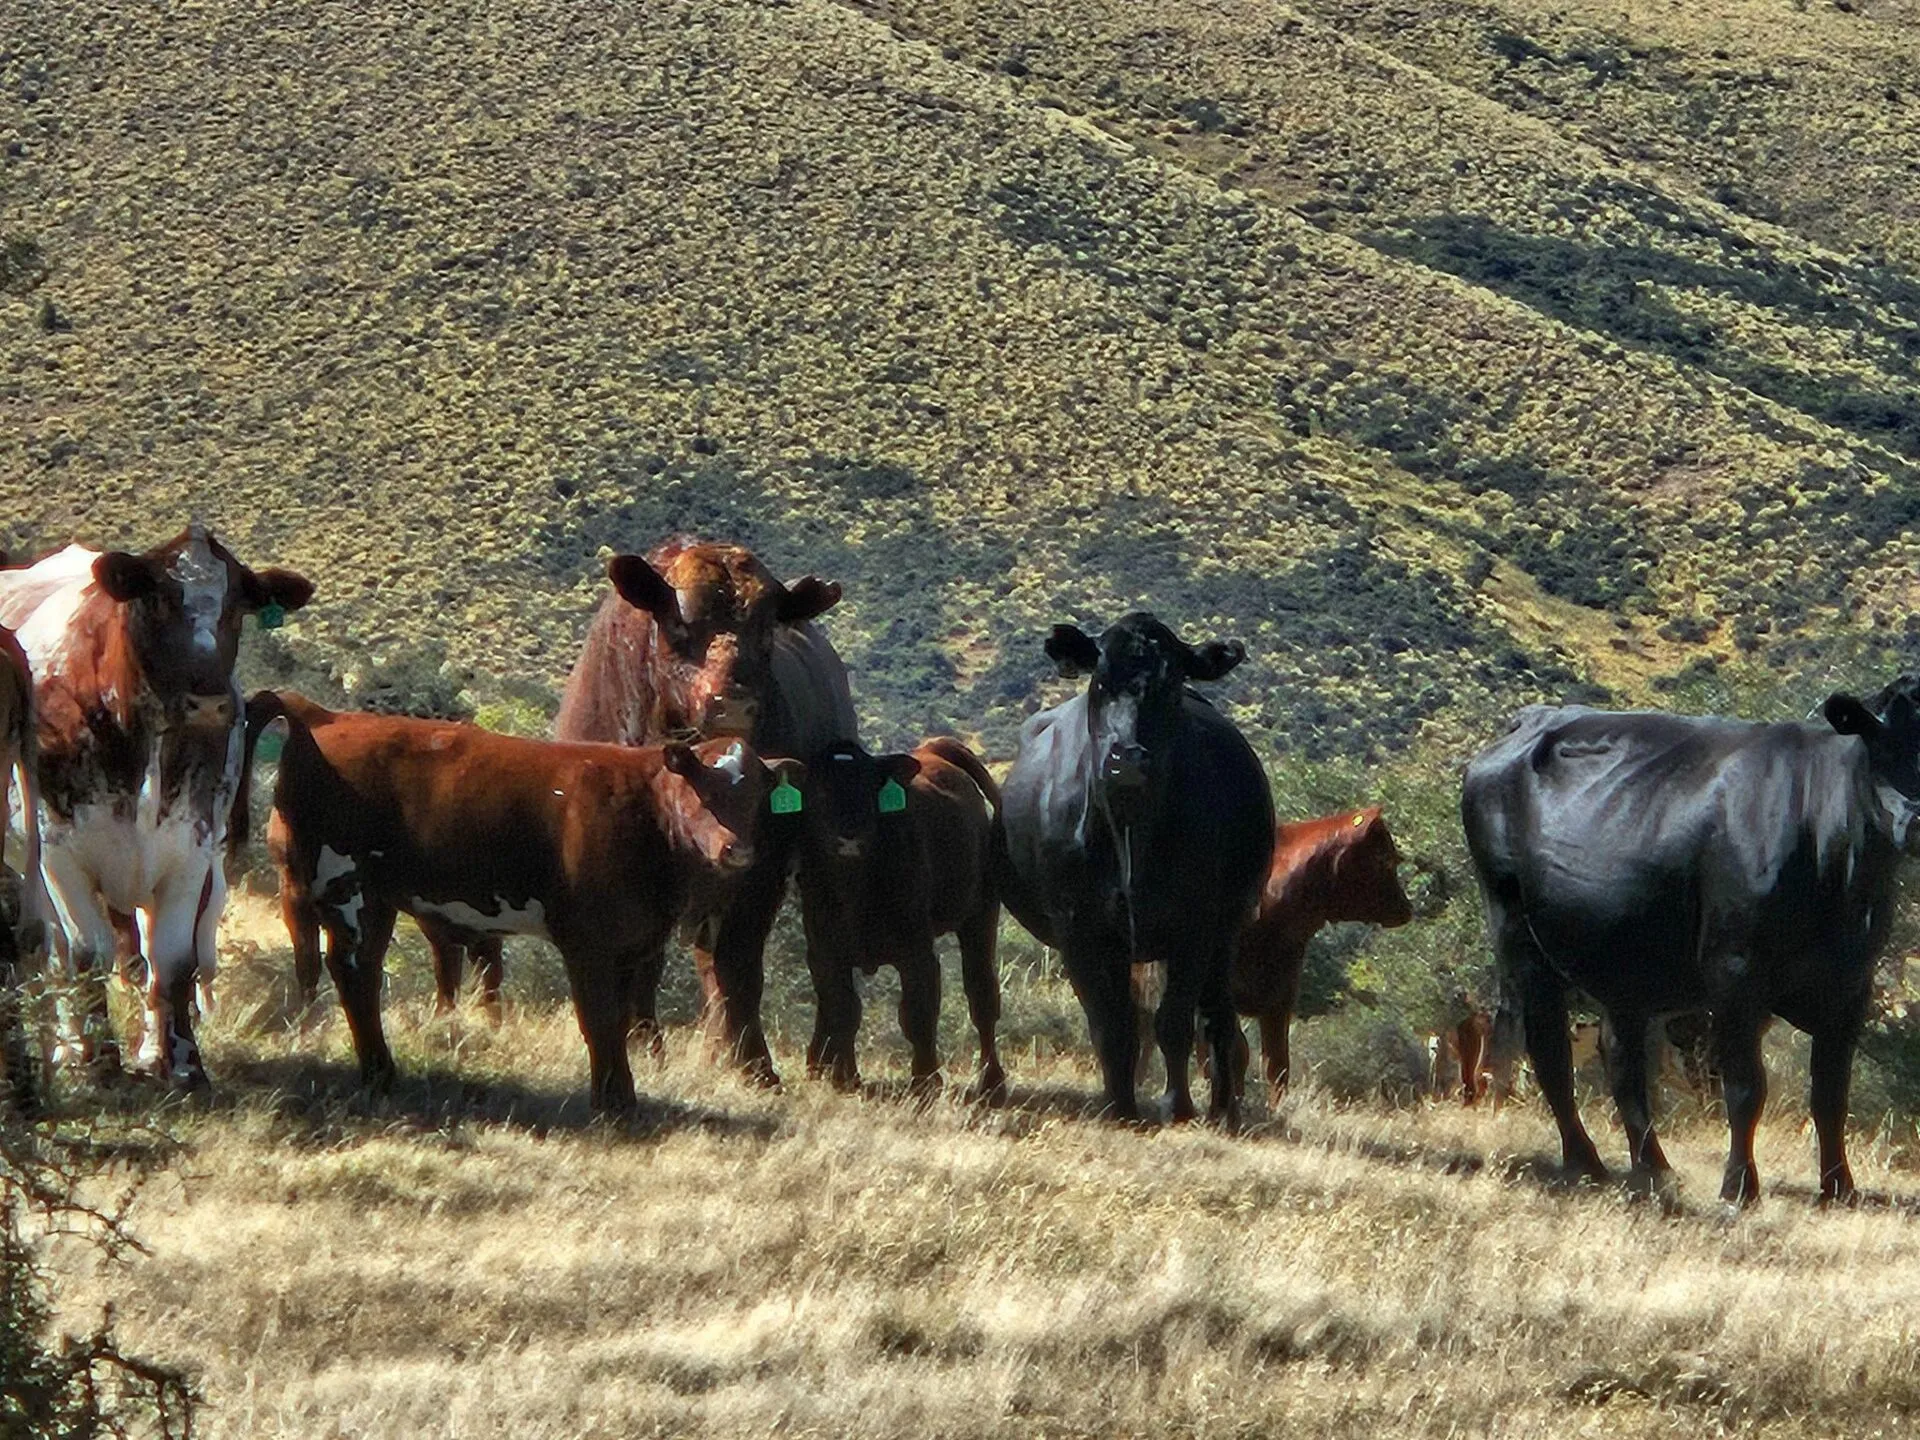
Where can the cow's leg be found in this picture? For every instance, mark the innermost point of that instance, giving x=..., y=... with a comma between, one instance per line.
x=1736, y=1034
x=920, y=1014
x=733, y=974
x=170, y=936
x=834, y=1050
x=358, y=934
x=489, y=963
x=1543, y=1005
x=602, y=985
x=1229, y=1045
x=1276, y=1056
x=1627, y=1068
x=303, y=929
x=1104, y=986
x=206, y=935
x=449, y=961
x=979, y=939
x=831, y=1051
x=1147, y=991
x=1832, y=1075
x=88, y=1037
x=1173, y=1027
x=643, y=1018
x=1470, y=1046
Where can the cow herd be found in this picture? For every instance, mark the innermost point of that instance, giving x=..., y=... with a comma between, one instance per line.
x=706, y=751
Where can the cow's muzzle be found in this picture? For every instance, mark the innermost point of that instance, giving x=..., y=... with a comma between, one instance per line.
x=207, y=712
x=737, y=856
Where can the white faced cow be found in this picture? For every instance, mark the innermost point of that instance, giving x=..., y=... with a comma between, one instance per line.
x=140, y=728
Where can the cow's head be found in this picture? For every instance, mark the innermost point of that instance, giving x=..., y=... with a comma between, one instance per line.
x=1140, y=670
x=1889, y=724
x=718, y=795
x=715, y=609
x=183, y=604
x=1366, y=875
x=853, y=800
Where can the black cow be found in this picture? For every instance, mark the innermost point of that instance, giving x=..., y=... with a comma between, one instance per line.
x=1664, y=863
x=1137, y=826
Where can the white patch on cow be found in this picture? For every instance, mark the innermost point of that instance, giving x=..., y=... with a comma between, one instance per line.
x=203, y=588
x=348, y=911
x=331, y=866
x=506, y=919
x=733, y=764
x=39, y=603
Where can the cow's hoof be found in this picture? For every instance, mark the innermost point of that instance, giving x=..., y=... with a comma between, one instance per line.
x=990, y=1089
x=926, y=1088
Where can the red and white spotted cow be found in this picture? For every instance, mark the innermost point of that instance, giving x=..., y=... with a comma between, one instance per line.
x=140, y=724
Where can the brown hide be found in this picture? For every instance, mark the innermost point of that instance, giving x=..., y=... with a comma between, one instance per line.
x=699, y=638
x=879, y=888
x=599, y=848
x=1336, y=867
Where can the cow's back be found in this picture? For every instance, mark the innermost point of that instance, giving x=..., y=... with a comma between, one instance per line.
x=1639, y=849
x=26, y=589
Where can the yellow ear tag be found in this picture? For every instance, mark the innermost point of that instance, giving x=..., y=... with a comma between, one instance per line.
x=1358, y=821
x=893, y=797
x=785, y=799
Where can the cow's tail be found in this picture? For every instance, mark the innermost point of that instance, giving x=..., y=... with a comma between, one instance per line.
x=263, y=708
x=954, y=753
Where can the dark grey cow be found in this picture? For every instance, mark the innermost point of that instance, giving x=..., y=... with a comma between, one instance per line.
x=1663, y=863
x=1137, y=826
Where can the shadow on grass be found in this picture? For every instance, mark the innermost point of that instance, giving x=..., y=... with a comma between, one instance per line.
x=318, y=1100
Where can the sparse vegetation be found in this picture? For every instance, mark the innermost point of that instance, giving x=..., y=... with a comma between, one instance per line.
x=1453, y=357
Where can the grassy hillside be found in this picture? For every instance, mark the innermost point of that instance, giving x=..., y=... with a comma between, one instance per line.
x=997, y=314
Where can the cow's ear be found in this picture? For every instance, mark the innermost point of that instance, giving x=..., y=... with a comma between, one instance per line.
x=1850, y=717
x=643, y=587
x=125, y=577
x=680, y=758
x=274, y=586
x=807, y=597
x=1215, y=659
x=1073, y=650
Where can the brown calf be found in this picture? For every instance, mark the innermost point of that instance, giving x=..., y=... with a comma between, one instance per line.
x=598, y=848
x=1338, y=867
x=699, y=638
x=895, y=850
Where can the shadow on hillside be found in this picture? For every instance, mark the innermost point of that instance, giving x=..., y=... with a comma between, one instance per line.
x=1617, y=291
x=316, y=1098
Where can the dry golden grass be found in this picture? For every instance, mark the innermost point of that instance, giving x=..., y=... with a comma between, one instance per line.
x=473, y=1257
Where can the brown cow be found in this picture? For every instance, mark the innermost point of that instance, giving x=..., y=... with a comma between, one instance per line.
x=138, y=717
x=701, y=639
x=1338, y=867
x=896, y=850
x=598, y=848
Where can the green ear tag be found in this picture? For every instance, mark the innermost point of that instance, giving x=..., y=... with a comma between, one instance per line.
x=893, y=797
x=785, y=799
x=272, y=615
